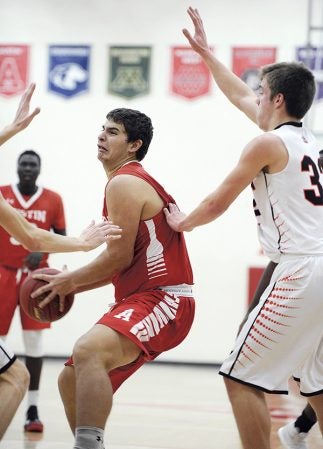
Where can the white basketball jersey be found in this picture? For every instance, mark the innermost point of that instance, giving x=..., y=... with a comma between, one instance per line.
x=289, y=204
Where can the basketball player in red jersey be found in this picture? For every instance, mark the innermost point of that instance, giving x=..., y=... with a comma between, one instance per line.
x=43, y=208
x=150, y=270
x=14, y=376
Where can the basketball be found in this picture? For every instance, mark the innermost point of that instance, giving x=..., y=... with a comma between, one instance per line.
x=30, y=305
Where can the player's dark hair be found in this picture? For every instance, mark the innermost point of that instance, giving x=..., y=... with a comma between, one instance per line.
x=295, y=81
x=137, y=126
x=30, y=153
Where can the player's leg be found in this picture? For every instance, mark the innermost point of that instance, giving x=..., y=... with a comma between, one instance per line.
x=96, y=353
x=66, y=386
x=14, y=380
x=33, y=340
x=294, y=433
x=249, y=405
x=316, y=402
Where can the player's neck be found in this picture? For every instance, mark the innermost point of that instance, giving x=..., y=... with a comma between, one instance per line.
x=27, y=189
x=112, y=171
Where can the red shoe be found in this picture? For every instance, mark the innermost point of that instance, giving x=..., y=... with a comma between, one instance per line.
x=33, y=423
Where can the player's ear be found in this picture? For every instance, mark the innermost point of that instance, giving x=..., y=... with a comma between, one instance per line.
x=134, y=146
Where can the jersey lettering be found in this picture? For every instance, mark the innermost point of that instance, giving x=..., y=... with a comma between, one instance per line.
x=314, y=196
x=151, y=325
x=125, y=315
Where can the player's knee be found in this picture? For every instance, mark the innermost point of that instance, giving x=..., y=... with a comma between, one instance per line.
x=18, y=376
x=33, y=343
x=88, y=350
x=66, y=381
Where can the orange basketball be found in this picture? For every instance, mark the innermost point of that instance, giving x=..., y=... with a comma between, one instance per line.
x=30, y=305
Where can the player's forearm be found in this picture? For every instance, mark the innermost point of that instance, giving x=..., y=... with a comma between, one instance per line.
x=99, y=272
x=7, y=132
x=207, y=211
x=237, y=91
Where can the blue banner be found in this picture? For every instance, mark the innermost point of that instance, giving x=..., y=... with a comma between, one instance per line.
x=69, y=69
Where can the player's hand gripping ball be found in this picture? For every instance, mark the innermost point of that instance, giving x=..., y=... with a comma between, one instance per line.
x=30, y=305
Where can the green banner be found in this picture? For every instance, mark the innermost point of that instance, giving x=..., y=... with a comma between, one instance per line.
x=129, y=74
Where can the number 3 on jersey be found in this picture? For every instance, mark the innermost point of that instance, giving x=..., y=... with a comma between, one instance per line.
x=314, y=196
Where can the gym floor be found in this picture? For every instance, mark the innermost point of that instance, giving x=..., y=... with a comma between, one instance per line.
x=161, y=407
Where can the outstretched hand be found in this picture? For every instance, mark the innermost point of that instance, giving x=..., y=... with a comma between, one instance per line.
x=174, y=217
x=23, y=117
x=97, y=233
x=199, y=41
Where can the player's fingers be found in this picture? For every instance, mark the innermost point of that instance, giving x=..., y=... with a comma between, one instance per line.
x=47, y=300
x=166, y=212
x=61, y=303
x=40, y=291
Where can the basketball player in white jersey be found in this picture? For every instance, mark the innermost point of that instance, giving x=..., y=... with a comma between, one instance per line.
x=283, y=334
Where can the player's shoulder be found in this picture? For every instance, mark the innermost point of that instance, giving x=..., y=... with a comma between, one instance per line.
x=51, y=194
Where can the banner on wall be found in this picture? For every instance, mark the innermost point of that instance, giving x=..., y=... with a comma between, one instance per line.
x=312, y=57
x=68, y=73
x=129, y=74
x=190, y=77
x=14, y=66
x=246, y=62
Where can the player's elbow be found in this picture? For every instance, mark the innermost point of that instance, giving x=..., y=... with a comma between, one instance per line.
x=215, y=208
x=32, y=244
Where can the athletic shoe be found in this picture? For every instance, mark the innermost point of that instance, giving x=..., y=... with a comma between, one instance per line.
x=291, y=438
x=33, y=423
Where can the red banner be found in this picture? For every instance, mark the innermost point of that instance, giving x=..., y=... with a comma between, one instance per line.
x=246, y=62
x=190, y=76
x=14, y=62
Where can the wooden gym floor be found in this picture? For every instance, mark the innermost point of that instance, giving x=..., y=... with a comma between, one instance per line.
x=161, y=407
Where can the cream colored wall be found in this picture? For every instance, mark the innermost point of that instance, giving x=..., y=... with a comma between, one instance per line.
x=195, y=143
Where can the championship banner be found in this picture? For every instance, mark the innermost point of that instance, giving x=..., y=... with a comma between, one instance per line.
x=190, y=77
x=14, y=64
x=312, y=57
x=69, y=69
x=246, y=62
x=129, y=74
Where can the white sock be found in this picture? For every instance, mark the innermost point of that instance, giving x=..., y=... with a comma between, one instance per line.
x=88, y=438
x=32, y=398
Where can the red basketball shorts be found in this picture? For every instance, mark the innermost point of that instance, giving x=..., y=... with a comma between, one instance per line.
x=154, y=320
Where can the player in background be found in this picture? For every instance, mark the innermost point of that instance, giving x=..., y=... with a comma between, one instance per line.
x=14, y=376
x=43, y=208
x=151, y=273
x=266, y=158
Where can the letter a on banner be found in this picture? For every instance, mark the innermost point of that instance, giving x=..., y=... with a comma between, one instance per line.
x=14, y=62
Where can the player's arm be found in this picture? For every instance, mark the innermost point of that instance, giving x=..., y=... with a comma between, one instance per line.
x=125, y=201
x=22, y=118
x=33, y=260
x=261, y=153
x=238, y=92
x=36, y=239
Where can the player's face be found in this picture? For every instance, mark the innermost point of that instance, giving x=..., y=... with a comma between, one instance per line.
x=265, y=106
x=28, y=169
x=113, y=143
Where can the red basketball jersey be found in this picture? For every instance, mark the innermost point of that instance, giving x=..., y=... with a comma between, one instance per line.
x=44, y=209
x=160, y=254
